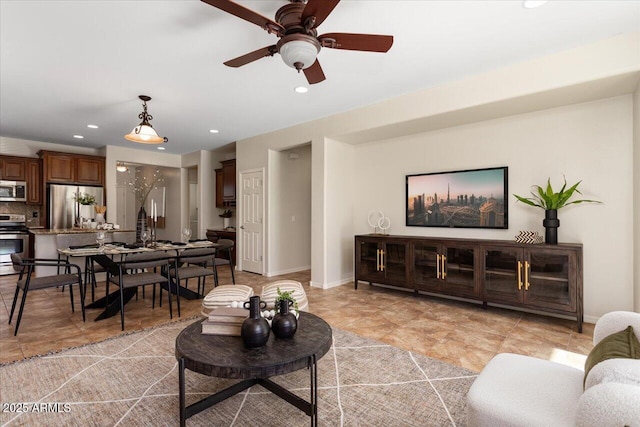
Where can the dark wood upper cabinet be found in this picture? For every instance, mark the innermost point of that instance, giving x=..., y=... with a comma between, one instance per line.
x=229, y=182
x=72, y=168
x=13, y=168
x=34, y=181
x=90, y=170
x=219, y=189
x=59, y=168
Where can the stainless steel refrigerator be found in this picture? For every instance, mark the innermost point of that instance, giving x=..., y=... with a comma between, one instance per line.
x=63, y=208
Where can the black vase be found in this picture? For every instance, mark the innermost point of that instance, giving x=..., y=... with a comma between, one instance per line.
x=551, y=224
x=284, y=324
x=141, y=224
x=255, y=330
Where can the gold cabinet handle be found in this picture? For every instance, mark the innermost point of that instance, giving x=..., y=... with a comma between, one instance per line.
x=444, y=263
x=519, y=275
x=437, y=266
x=382, y=261
x=526, y=276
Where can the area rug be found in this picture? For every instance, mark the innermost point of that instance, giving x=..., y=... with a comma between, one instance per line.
x=132, y=380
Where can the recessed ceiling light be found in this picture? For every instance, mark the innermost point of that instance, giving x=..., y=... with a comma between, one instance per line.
x=301, y=89
x=214, y=130
x=93, y=126
x=78, y=136
x=532, y=4
x=161, y=148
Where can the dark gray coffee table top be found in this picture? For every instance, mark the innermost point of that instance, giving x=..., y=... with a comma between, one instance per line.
x=226, y=357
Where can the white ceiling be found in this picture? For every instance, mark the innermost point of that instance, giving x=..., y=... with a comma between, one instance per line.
x=66, y=64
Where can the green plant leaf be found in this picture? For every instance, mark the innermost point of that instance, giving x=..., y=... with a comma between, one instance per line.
x=546, y=198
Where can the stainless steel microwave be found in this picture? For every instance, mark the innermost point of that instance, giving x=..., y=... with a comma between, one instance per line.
x=13, y=191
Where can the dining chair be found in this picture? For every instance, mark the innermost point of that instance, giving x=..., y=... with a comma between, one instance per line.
x=140, y=269
x=28, y=282
x=66, y=241
x=225, y=245
x=192, y=263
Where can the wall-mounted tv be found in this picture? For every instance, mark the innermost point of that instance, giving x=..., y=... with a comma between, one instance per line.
x=475, y=198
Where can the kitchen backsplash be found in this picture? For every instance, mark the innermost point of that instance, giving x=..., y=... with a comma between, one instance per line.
x=24, y=209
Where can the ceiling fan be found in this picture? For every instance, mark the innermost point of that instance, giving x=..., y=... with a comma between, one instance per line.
x=296, y=25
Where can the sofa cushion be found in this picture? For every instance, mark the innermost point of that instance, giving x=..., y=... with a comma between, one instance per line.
x=624, y=371
x=609, y=404
x=623, y=344
x=515, y=390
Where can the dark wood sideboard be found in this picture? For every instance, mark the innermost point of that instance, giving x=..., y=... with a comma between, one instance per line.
x=543, y=278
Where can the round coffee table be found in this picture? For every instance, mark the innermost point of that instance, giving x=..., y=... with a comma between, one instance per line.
x=226, y=357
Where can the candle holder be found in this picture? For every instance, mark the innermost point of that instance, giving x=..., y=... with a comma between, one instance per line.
x=152, y=230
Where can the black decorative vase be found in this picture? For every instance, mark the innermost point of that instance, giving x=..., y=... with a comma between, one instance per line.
x=284, y=324
x=255, y=330
x=551, y=224
x=141, y=224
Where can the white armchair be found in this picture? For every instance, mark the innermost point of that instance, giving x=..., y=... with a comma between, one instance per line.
x=515, y=390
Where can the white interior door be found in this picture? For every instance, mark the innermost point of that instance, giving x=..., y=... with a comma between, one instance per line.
x=252, y=228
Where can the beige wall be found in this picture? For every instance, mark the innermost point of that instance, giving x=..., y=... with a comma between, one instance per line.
x=507, y=107
x=636, y=196
x=591, y=142
x=290, y=211
x=26, y=148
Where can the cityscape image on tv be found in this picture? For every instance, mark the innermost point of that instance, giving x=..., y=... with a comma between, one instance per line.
x=474, y=198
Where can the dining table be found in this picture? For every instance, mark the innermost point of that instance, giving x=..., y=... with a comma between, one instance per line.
x=109, y=254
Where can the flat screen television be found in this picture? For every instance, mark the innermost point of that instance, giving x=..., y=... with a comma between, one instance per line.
x=475, y=198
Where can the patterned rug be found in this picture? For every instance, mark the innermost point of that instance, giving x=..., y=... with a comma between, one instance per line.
x=132, y=380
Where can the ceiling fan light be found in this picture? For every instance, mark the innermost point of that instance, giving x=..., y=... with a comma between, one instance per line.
x=299, y=54
x=120, y=167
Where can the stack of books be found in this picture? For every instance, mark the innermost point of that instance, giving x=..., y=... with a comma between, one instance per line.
x=225, y=321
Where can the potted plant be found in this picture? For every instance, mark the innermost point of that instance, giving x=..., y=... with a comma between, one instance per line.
x=286, y=295
x=225, y=218
x=551, y=201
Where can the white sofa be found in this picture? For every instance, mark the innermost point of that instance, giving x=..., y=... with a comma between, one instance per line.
x=515, y=390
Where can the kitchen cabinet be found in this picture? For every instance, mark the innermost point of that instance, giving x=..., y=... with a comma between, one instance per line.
x=229, y=182
x=12, y=168
x=70, y=168
x=90, y=170
x=34, y=181
x=219, y=189
x=25, y=169
x=544, y=278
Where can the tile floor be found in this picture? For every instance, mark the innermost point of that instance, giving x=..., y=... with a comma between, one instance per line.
x=460, y=333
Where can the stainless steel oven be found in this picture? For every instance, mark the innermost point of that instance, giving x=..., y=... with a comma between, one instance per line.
x=13, y=191
x=14, y=239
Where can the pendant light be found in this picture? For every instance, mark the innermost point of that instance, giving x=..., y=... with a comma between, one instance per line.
x=121, y=167
x=144, y=132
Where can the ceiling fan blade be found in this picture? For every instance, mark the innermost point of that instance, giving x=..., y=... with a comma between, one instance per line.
x=320, y=9
x=247, y=14
x=252, y=56
x=349, y=41
x=314, y=74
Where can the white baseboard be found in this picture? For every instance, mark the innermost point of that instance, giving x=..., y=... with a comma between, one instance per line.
x=331, y=284
x=289, y=271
